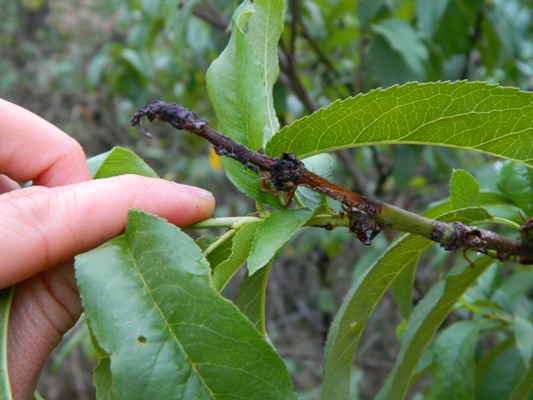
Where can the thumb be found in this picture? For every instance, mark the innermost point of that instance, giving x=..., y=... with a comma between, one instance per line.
x=42, y=227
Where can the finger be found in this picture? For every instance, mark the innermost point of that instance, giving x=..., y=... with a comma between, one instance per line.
x=7, y=184
x=33, y=149
x=41, y=227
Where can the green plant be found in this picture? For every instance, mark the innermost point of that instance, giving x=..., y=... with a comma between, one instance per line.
x=218, y=358
x=152, y=295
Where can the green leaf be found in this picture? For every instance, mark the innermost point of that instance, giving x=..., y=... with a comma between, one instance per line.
x=150, y=304
x=239, y=83
x=240, y=248
x=103, y=380
x=484, y=199
x=518, y=284
x=492, y=199
x=236, y=87
x=469, y=115
x=248, y=182
x=402, y=288
x=241, y=79
x=488, y=359
x=453, y=368
x=404, y=40
x=222, y=248
x=356, y=309
x=264, y=30
x=429, y=15
x=6, y=296
x=367, y=10
x=424, y=322
x=523, y=331
x=502, y=375
x=453, y=34
x=119, y=161
x=516, y=182
x=524, y=388
x=363, y=297
x=389, y=65
x=203, y=242
x=251, y=297
x=464, y=190
x=405, y=160
x=273, y=233
x=138, y=62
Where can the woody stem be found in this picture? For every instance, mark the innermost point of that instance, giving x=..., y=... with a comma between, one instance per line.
x=366, y=217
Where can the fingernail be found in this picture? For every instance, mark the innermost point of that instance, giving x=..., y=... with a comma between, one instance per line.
x=195, y=191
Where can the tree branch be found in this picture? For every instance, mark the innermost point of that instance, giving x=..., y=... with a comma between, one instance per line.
x=366, y=217
x=211, y=15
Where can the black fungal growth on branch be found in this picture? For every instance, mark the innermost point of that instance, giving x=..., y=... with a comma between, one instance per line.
x=366, y=217
x=287, y=172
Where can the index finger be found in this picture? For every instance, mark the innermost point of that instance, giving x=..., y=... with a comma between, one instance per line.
x=42, y=227
x=34, y=149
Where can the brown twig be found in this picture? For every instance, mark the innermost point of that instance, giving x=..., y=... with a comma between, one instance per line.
x=366, y=217
x=211, y=15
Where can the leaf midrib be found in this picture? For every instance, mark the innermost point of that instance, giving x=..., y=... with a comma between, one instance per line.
x=166, y=322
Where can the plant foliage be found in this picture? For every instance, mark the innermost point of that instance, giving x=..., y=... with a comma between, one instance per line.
x=183, y=338
x=189, y=341
x=157, y=301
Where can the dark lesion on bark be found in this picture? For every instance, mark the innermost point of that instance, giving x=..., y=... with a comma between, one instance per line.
x=176, y=115
x=287, y=172
x=466, y=237
x=527, y=235
x=527, y=228
x=462, y=236
x=366, y=217
x=361, y=224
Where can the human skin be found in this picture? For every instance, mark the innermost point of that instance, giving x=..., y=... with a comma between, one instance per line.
x=62, y=214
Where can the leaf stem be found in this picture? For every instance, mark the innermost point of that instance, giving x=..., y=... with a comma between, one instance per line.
x=298, y=200
x=501, y=221
x=221, y=239
x=225, y=222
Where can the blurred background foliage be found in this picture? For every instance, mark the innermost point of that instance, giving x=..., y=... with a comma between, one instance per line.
x=87, y=65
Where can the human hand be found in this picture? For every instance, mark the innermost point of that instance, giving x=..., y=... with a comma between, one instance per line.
x=62, y=214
